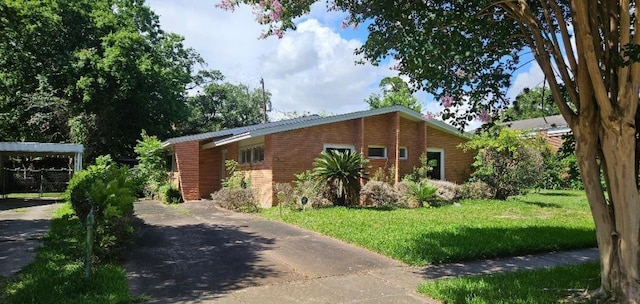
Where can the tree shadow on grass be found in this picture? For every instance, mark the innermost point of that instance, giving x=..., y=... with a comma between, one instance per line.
x=540, y=204
x=559, y=193
x=470, y=243
x=194, y=262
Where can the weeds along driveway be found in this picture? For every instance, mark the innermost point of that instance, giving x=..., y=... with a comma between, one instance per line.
x=196, y=252
x=23, y=223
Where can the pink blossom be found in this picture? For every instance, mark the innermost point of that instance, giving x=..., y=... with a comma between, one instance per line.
x=279, y=33
x=344, y=24
x=447, y=101
x=227, y=5
x=276, y=10
x=353, y=25
x=461, y=73
x=428, y=116
x=484, y=116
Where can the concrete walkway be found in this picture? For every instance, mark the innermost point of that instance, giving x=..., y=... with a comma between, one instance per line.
x=23, y=223
x=198, y=253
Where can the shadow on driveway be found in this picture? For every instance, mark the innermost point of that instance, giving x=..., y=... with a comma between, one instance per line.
x=181, y=261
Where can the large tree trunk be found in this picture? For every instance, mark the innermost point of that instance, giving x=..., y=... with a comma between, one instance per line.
x=618, y=149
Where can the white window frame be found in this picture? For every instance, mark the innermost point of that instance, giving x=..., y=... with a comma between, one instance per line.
x=352, y=148
x=377, y=147
x=251, y=154
x=442, y=164
x=406, y=153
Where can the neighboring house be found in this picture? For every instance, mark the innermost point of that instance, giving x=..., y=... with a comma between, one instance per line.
x=273, y=152
x=550, y=127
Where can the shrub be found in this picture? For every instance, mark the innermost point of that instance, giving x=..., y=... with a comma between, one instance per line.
x=285, y=194
x=243, y=200
x=447, y=193
x=382, y=175
x=236, y=179
x=151, y=169
x=420, y=173
x=422, y=191
x=170, y=194
x=109, y=189
x=509, y=161
x=340, y=173
x=476, y=190
x=379, y=194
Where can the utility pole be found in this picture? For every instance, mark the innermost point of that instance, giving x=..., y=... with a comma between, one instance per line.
x=264, y=102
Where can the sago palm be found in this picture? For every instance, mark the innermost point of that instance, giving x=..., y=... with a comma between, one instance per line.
x=341, y=172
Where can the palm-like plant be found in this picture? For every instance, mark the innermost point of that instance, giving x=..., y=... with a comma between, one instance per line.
x=341, y=173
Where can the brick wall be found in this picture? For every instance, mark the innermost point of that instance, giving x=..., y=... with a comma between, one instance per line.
x=187, y=156
x=457, y=163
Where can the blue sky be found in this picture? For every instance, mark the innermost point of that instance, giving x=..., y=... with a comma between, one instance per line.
x=311, y=69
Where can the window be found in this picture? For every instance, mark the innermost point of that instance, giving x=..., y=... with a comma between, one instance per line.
x=435, y=159
x=251, y=154
x=339, y=148
x=377, y=152
x=403, y=153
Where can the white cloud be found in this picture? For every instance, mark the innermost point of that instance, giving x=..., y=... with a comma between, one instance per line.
x=529, y=79
x=311, y=69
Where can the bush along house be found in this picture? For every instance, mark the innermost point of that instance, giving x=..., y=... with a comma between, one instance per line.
x=392, y=137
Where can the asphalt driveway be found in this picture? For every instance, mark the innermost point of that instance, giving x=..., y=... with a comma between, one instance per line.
x=198, y=253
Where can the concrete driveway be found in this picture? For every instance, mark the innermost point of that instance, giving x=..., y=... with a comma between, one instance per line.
x=198, y=253
x=23, y=223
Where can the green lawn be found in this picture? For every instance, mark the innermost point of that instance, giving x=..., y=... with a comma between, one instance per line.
x=476, y=229
x=57, y=195
x=552, y=285
x=57, y=273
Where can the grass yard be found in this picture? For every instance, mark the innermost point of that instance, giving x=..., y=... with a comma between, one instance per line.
x=57, y=273
x=56, y=195
x=547, y=285
x=476, y=229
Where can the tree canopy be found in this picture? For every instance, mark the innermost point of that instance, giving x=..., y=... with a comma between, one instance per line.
x=531, y=103
x=465, y=51
x=93, y=72
x=394, y=91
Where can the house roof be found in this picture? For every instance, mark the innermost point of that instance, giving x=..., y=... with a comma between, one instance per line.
x=40, y=148
x=227, y=136
x=538, y=124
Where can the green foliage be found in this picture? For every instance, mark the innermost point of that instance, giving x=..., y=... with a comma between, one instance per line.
x=447, y=193
x=225, y=106
x=341, y=173
x=109, y=189
x=57, y=273
x=421, y=190
x=476, y=229
x=394, y=92
x=151, y=168
x=509, y=161
x=563, y=284
x=170, y=194
x=380, y=195
x=532, y=103
x=95, y=72
x=382, y=175
x=421, y=172
x=237, y=179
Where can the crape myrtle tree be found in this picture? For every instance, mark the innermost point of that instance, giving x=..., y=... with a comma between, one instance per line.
x=465, y=51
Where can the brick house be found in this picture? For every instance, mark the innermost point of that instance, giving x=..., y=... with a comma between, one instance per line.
x=550, y=127
x=275, y=151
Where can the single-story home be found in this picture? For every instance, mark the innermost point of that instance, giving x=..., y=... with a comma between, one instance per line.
x=550, y=127
x=389, y=137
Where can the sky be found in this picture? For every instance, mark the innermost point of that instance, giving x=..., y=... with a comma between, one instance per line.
x=309, y=70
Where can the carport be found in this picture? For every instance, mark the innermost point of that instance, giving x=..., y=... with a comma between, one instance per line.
x=35, y=149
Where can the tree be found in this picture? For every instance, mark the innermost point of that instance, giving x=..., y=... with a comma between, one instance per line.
x=464, y=52
x=509, y=161
x=394, y=92
x=531, y=103
x=224, y=106
x=93, y=72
